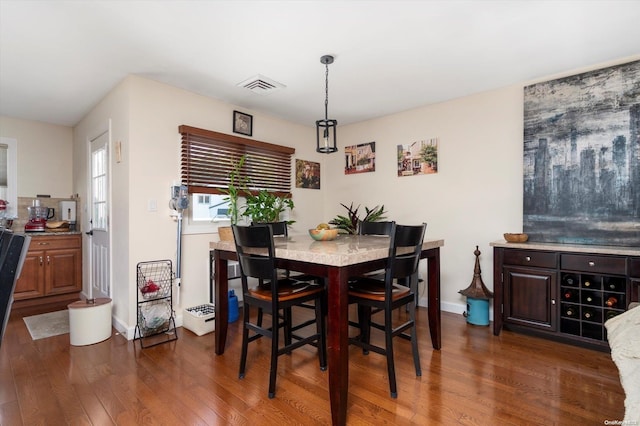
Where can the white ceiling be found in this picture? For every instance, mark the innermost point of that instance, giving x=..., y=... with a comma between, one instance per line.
x=59, y=58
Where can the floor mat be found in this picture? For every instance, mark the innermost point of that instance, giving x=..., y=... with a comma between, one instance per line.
x=48, y=325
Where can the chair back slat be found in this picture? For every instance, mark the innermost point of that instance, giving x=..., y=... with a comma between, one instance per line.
x=404, y=251
x=376, y=228
x=255, y=250
x=277, y=228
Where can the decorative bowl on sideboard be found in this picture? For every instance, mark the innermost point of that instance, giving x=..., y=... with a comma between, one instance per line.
x=516, y=238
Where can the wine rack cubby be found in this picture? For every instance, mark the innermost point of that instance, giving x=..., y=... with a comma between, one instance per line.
x=588, y=300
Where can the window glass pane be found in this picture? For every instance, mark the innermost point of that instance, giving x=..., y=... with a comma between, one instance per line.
x=3, y=165
x=99, y=189
x=209, y=208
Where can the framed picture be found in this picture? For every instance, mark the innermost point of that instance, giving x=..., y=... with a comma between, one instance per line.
x=581, y=163
x=307, y=174
x=242, y=123
x=360, y=158
x=418, y=157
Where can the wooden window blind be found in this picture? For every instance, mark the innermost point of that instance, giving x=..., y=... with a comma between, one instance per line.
x=207, y=157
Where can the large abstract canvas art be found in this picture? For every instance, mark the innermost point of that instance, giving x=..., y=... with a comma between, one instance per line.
x=582, y=158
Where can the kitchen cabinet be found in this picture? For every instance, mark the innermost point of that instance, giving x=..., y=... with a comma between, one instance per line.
x=52, y=270
x=563, y=292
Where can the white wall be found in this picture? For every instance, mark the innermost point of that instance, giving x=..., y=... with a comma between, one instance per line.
x=474, y=198
x=45, y=153
x=145, y=116
x=111, y=114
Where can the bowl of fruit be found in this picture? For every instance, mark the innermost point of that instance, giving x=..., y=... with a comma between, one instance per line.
x=323, y=232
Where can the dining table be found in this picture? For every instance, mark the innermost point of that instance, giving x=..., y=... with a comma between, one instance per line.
x=335, y=261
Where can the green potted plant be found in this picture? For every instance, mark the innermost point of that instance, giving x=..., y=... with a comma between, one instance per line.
x=265, y=206
x=349, y=224
x=237, y=186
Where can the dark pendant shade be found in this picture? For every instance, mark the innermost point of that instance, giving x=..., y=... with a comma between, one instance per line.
x=326, y=130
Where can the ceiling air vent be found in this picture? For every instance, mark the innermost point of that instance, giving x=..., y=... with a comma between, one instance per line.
x=261, y=85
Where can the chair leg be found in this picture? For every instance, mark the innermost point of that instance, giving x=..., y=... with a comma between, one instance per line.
x=245, y=341
x=274, y=355
x=414, y=341
x=322, y=335
x=287, y=315
x=388, y=337
x=364, y=319
x=259, y=320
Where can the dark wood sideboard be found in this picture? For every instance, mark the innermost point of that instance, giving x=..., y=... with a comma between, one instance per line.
x=563, y=292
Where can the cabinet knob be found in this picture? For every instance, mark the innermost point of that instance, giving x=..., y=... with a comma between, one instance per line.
x=40, y=260
x=553, y=301
x=43, y=244
x=527, y=258
x=592, y=263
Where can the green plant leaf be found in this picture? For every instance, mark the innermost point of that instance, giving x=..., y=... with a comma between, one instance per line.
x=350, y=224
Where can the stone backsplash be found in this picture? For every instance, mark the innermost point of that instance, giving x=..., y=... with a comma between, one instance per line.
x=54, y=203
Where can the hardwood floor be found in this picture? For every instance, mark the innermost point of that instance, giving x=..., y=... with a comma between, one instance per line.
x=476, y=379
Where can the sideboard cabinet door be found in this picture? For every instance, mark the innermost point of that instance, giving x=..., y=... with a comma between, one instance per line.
x=530, y=297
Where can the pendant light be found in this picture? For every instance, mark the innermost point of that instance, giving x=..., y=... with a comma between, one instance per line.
x=326, y=129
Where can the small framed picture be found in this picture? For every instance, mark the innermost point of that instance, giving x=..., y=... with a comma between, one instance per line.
x=242, y=123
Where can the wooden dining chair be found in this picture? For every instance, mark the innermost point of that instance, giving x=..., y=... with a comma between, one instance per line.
x=281, y=229
x=13, y=250
x=380, y=228
x=256, y=255
x=396, y=290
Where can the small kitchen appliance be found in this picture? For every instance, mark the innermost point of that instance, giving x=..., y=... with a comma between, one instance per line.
x=68, y=213
x=38, y=216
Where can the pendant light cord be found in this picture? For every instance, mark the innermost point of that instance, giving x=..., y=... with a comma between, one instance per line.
x=326, y=93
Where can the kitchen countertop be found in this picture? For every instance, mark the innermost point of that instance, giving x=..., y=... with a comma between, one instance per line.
x=50, y=233
x=344, y=250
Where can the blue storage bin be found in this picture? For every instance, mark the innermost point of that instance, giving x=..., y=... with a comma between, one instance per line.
x=233, y=306
x=477, y=311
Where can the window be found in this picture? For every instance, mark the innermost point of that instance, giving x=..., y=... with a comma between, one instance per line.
x=208, y=208
x=4, y=152
x=207, y=157
x=9, y=175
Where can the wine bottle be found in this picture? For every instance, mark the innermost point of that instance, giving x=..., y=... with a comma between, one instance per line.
x=569, y=280
x=568, y=294
x=570, y=312
x=612, y=285
x=588, y=314
x=587, y=283
x=611, y=301
x=589, y=298
x=611, y=314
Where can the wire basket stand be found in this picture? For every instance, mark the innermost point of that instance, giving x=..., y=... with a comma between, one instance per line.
x=156, y=319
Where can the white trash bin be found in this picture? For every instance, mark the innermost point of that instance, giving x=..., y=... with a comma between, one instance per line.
x=89, y=321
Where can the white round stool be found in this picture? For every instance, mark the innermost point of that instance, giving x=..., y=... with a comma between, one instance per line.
x=89, y=321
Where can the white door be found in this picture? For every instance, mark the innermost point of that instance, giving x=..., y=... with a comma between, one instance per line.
x=99, y=218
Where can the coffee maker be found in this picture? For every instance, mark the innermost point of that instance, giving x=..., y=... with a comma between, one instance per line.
x=38, y=216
